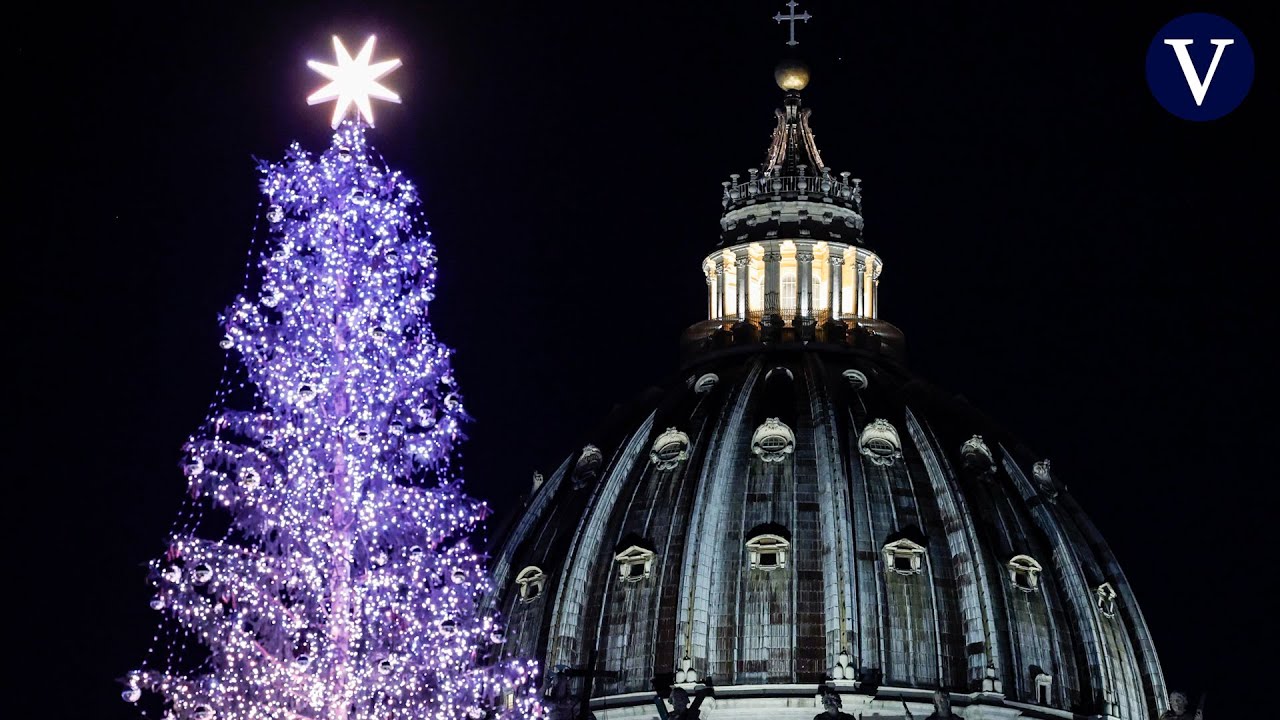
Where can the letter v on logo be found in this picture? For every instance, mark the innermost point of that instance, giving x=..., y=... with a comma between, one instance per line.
x=1198, y=88
x=1199, y=66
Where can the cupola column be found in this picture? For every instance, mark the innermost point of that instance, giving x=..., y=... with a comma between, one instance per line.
x=859, y=303
x=804, y=283
x=875, y=294
x=721, y=289
x=711, y=297
x=772, y=279
x=743, y=263
x=835, y=282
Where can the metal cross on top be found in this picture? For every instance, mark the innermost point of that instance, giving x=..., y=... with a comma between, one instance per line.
x=792, y=18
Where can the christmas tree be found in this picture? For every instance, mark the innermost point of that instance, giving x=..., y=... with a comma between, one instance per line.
x=322, y=570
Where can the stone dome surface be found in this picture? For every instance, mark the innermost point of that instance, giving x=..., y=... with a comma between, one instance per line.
x=920, y=540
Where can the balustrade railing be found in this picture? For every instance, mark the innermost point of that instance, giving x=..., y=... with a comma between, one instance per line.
x=789, y=315
x=840, y=188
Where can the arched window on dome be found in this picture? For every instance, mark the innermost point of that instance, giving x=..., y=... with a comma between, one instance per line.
x=1044, y=686
x=634, y=556
x=531, y=581
x=1105, y=599
x=904, y=551
x=768, y=547
x=1024, y=572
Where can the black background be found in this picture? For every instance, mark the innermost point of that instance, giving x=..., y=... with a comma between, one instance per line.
x=1095, y=273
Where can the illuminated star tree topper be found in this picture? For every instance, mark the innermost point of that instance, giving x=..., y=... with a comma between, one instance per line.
x=353, y=81
x=322, y=567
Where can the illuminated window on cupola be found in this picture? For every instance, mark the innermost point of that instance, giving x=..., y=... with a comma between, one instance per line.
x=788, y=292
x=769, y=547
x=670, y=449
x=904, y=552
x=1025, y=573
x=1105, y=598
x=634, y=556
x=530, y=580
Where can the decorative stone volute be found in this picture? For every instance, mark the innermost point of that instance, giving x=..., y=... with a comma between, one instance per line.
x=991, y=683
x=686, y=673
x=843, y=669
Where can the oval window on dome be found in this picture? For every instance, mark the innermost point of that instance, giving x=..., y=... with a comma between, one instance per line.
x=856, y=379
x=706, y=383
x=881, y=447
x=670, y=449
x=587, y=468
x=530, y=581
x=1044, y=478
x=773, y=441
x=1024, y=573
x=977, y=457
x=880, y=443
x=779, y=374
x=1105, y=598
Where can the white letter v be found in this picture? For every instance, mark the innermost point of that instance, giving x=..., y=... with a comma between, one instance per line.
x=1198, y=89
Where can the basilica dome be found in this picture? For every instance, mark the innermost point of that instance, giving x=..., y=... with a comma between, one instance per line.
x=794, y=515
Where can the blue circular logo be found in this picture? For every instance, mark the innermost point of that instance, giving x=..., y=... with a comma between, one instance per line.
x=1199, y=66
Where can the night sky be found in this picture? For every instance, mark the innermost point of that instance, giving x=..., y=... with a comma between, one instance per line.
x=1094, y=273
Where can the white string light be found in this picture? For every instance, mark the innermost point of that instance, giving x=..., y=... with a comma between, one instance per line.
x=322, y=570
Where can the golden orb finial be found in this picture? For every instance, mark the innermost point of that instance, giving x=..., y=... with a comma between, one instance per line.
x=791, y=75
